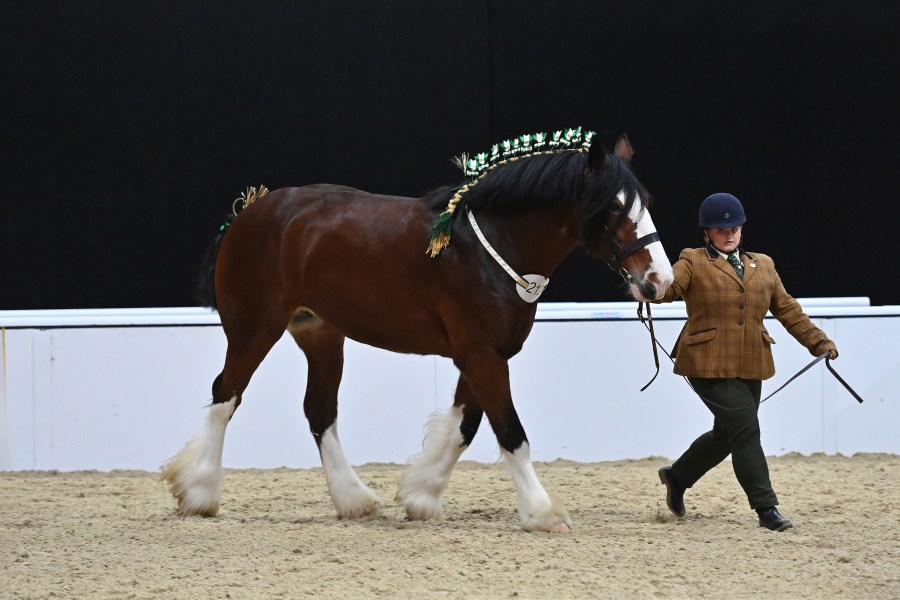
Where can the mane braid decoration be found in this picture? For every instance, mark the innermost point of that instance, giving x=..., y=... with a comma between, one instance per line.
x=477, y=167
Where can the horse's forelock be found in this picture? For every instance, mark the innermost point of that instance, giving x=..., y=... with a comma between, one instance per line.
x=605, y=185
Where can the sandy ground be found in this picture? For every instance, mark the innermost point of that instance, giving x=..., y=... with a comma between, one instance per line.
x=116, y=535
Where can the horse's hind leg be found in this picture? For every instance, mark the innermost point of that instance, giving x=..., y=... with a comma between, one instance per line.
x=324, y=350
x=194, y=474
x=447, y=435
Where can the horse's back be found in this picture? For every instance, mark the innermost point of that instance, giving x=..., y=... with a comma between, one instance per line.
x=354, y=258
x=335, y=212
x=327, y=208
x=332, y=201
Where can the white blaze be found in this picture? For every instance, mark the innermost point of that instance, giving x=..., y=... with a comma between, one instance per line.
x=659, y=262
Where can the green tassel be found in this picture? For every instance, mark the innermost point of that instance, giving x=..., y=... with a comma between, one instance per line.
x=440, y=233
x=442, y=224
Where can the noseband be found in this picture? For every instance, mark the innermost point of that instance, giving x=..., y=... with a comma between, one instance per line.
x=620, y=253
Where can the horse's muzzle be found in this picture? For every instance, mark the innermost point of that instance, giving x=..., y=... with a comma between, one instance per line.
x=647, y=290
x=652, y=286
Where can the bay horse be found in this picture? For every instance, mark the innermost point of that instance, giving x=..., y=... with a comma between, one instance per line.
x=327, y=262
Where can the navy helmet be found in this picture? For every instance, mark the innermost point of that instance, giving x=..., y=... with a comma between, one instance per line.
x=721, y=211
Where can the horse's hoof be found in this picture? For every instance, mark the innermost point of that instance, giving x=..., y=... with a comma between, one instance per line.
x=550, y=527
x=361, y=503
x=359, y=512
x=560, y=528
x=192, y=509
x=552, y=519
x=423, y=507
x=420, y=504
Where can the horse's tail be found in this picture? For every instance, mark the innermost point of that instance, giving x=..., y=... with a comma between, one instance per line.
x=205, y=293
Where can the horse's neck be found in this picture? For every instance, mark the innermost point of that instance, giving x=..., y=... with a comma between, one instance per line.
x=536, y=242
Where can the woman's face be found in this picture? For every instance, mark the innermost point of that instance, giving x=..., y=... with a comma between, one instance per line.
x=725, y=240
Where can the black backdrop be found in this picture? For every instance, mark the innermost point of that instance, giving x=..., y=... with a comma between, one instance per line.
x=129, y=127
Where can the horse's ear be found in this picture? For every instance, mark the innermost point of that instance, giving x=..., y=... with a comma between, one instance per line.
x=624, y=149
x=596, y=156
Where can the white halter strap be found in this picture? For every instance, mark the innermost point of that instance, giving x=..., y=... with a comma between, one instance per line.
x=529, y=287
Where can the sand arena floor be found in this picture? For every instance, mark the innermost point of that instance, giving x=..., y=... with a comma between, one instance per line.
x=116, y=535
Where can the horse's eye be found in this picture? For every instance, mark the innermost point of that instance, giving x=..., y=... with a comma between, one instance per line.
x=616, y=206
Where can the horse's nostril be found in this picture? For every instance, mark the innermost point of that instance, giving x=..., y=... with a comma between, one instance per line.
x=659, y=280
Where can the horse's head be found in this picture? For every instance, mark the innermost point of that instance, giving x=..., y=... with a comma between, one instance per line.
x=617, y=227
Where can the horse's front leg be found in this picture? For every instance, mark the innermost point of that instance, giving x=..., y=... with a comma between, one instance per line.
x=447, y=435
x=489, y=377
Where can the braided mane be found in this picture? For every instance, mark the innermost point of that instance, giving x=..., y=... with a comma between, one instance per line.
x=535, y=170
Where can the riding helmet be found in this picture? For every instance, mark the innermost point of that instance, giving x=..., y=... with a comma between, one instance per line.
x=721, y=211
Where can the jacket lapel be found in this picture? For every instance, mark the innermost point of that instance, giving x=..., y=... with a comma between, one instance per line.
x=749, y=271
x=723, y=265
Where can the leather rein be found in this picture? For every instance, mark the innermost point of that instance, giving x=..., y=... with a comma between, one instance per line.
x=648, y=323
x=620, y=253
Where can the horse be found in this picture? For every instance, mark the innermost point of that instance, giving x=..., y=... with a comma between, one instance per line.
x=327, y=262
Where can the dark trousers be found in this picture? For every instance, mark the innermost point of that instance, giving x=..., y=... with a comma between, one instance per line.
x=735, y=431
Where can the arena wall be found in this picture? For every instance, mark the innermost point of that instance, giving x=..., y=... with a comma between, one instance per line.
x=124, y=389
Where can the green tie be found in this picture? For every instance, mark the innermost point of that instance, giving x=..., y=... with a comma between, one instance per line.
x=737, y=264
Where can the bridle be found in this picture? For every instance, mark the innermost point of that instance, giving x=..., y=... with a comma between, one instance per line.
x=620, y=253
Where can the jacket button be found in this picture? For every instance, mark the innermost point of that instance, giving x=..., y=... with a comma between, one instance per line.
x=741, y=307
x=742, y=290
x=740, y=322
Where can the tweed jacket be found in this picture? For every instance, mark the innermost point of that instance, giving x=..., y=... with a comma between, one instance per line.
x=725, y=335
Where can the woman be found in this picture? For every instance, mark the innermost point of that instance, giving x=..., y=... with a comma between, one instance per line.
x=725, y=352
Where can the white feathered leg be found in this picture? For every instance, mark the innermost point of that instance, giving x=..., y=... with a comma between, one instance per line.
x=422, y=485
x=538, y=511
x=352, y=498
x=194, y=474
